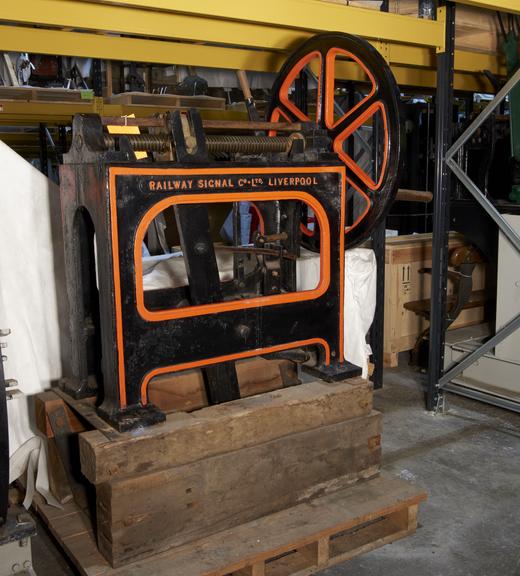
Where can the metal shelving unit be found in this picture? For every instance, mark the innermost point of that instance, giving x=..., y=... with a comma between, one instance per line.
x=439, y=379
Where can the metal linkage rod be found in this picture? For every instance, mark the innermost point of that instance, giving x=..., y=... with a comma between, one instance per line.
x=215, y=143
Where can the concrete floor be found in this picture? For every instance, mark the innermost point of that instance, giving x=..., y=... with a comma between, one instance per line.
x=468, y=460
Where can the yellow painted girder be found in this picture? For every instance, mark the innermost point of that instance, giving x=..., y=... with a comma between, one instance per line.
x=19, y=113
x=45, y=41
x=512, y=6
x=90, y=16
x=274, y=24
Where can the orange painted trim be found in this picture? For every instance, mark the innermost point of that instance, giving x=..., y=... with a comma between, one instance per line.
x=306, y=231
x=261, y=223
x=121, y=171
x=342, y=271
x=199, y=310
x=283, y=94
x=117, y=289
x=329, y=86
x=219, y=359
x=338, y=145
x=275, y=117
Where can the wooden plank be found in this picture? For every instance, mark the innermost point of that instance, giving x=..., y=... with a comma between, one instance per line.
x=217, y=429
x=248, y=549
x=46, y=402
x=287, y=530
x=169, y=100
x=29, y=93
x=144, y=514
x=476, y=299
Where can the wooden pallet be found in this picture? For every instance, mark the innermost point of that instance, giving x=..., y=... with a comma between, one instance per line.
x=168, y=100
x=298, y=541
x=44, y=94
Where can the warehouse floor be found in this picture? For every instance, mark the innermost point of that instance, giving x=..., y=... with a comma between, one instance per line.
x=468, y=460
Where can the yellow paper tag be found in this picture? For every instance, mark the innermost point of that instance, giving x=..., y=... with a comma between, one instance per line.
x=128, y=130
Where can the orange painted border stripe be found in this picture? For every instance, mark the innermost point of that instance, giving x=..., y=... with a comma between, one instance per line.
x=218, y=359
x=142, y=171
x=260, y=301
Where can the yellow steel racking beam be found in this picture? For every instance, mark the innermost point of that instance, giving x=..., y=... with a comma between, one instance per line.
x=227, y=34
x=275, y=24
x=47, y=41
x=14, y=113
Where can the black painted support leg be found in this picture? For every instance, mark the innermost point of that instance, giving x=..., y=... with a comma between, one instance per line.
x=378, y=325
x=44, y=156
x=441, y=200
x=204, y=285
x=4, y=449
x=97, y=77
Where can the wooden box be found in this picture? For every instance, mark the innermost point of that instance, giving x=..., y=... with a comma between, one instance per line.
x=222, y=466
x=404, y=257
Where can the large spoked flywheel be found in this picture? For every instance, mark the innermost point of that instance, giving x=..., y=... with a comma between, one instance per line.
x=343, y=84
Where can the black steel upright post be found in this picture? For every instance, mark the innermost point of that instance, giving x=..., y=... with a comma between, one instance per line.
x=97, y=77
x=44, y=156
x=378, y=325
x=378, y=245
x=441, y=205
x=4, y=447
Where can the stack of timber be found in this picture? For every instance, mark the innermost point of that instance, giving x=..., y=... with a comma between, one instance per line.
x=280, y=483
x=405, y=256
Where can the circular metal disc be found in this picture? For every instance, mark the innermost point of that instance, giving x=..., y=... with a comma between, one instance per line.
x=365, y=134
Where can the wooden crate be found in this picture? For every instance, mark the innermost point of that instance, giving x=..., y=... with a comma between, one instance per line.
x=404, y=257
x=168, y=100
x=297, y=541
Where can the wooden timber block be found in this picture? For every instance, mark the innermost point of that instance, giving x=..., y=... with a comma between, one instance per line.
x=30, y=93
x=185, y=438
x=149, y=513
x=168, y=100
x=47, y=402
x=390, y=359
x=186, y=390
x=297, y=541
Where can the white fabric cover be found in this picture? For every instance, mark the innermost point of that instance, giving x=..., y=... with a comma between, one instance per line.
x=28, y=299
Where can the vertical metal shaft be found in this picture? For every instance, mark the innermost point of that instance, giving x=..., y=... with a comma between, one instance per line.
x=378, y=245
x=4, y=448
x=441, y=201
x=97, y=77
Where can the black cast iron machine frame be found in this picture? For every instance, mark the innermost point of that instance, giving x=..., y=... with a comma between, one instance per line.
x=109, y=195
